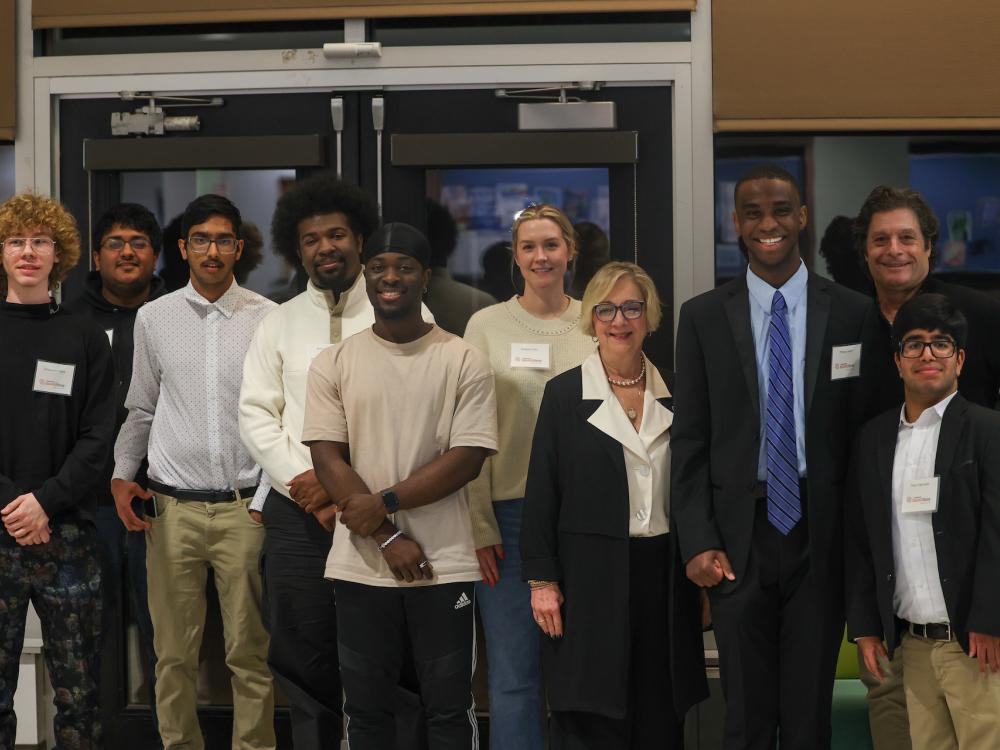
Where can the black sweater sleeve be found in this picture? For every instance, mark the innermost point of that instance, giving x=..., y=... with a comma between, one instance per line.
x=85, y=461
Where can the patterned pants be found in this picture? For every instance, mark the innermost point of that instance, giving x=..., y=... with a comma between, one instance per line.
x=63, y=580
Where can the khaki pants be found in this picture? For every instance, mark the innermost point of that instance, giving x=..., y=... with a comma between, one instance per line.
x=188, y=538
x=890, y=726
x=950, y=702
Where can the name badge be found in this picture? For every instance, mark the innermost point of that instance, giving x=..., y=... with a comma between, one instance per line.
x=52, y=377
x=532, y=356
x=845, y=362
x=110, y=332
x=920, y=495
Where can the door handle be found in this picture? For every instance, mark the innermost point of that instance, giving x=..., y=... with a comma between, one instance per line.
x=337, y=115
x=378, y=122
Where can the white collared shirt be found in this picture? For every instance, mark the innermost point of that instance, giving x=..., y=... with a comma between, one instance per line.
x=187, y=366
x=918, y=596
x=647, y=452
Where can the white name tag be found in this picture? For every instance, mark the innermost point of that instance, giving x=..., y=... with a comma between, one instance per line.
x=845, y=362
x=920, y=495
x=111, y=335
x=533, y=356
x=52, y=377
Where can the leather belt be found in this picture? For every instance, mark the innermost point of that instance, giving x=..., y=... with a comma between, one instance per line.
x=932, y=631
x=202, y=496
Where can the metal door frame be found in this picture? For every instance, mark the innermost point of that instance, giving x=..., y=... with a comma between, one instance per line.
x=683, y=66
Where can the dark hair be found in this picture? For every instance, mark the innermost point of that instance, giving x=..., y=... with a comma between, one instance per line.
x=174, y=270
x=130, y=216
x=931, y=312
x=767, y=172
x=593, y=250
x=442, y=233
x=837, y=248
x=319, y=194
x=884, y=198
x=252, y=255
x=202, y=208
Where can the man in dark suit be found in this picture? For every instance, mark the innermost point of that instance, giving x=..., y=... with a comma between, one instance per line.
x=896, y=234
x=768, y=395
x=923, y=543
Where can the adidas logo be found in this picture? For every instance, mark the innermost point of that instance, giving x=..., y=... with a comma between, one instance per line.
x=463, y=601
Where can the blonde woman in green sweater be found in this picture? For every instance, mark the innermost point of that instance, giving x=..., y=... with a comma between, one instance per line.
x=529, y=339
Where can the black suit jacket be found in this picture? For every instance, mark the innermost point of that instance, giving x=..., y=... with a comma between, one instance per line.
x=980, y=378
x=575, y=530
x=966, y=524
x=715, y=439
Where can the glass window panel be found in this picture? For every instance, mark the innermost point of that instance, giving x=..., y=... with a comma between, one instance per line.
x=255, y=193
x=484, y=202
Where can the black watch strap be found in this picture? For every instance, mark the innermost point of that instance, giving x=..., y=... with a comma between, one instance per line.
x=390, y=500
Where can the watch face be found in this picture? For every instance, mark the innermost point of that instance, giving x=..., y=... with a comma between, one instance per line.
x=390, y=500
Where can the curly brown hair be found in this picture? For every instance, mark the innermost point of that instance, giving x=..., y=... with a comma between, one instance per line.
x=29, y=211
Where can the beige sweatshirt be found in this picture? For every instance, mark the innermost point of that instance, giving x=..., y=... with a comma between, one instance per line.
x=498, y=331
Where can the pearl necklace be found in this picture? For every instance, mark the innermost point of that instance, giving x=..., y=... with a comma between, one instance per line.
x=630, y=381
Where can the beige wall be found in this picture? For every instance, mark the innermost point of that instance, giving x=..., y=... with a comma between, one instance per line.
x=856, y=64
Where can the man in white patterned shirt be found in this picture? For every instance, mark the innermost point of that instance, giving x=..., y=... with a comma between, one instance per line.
x=923, y=538
x=183, y=416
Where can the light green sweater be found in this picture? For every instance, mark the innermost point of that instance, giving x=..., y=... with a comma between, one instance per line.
x=494, y=330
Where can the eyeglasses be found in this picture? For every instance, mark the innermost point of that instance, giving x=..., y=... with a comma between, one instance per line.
x=631, y=310
x=199, y=243
x=40, y=246
x=117, y=244
x=940, y=348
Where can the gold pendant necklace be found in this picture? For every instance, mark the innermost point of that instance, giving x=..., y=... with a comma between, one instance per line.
x=632, y=414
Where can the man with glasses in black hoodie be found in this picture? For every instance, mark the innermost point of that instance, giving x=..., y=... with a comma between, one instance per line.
x=126, y=246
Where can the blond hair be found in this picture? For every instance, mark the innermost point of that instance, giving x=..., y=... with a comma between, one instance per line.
x=28, y=211
x=553, y=214
x=604, y=281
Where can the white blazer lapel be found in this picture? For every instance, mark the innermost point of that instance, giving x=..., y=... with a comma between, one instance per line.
x=609, y=417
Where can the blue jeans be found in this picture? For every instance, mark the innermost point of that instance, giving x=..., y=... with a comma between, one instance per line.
x=512, y=644
x=123, y=554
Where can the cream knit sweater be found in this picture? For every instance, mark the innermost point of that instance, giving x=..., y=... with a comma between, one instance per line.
x=494, y=330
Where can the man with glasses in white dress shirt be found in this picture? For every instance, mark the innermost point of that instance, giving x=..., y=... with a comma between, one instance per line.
x=183, y=416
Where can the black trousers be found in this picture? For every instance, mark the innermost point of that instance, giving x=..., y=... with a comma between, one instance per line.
x=374, y=625
x=779, y=635
x=651, y=721
x=301, y=617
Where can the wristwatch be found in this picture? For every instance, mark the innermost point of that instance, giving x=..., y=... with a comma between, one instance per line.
x=390, y=500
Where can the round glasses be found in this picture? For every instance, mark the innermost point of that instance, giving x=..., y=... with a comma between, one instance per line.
x=940, y=348
x=631, y=309
x=40, y=246
x=199, y=243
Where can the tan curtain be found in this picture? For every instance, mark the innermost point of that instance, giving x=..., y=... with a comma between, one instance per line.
x=47, y=14
x=855, y=64
x=8, y=77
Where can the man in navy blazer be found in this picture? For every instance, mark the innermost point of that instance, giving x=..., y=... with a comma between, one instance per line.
x=769, y=393
x=923, y=538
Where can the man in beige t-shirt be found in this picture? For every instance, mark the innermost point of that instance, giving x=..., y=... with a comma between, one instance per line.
x=399, y=418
